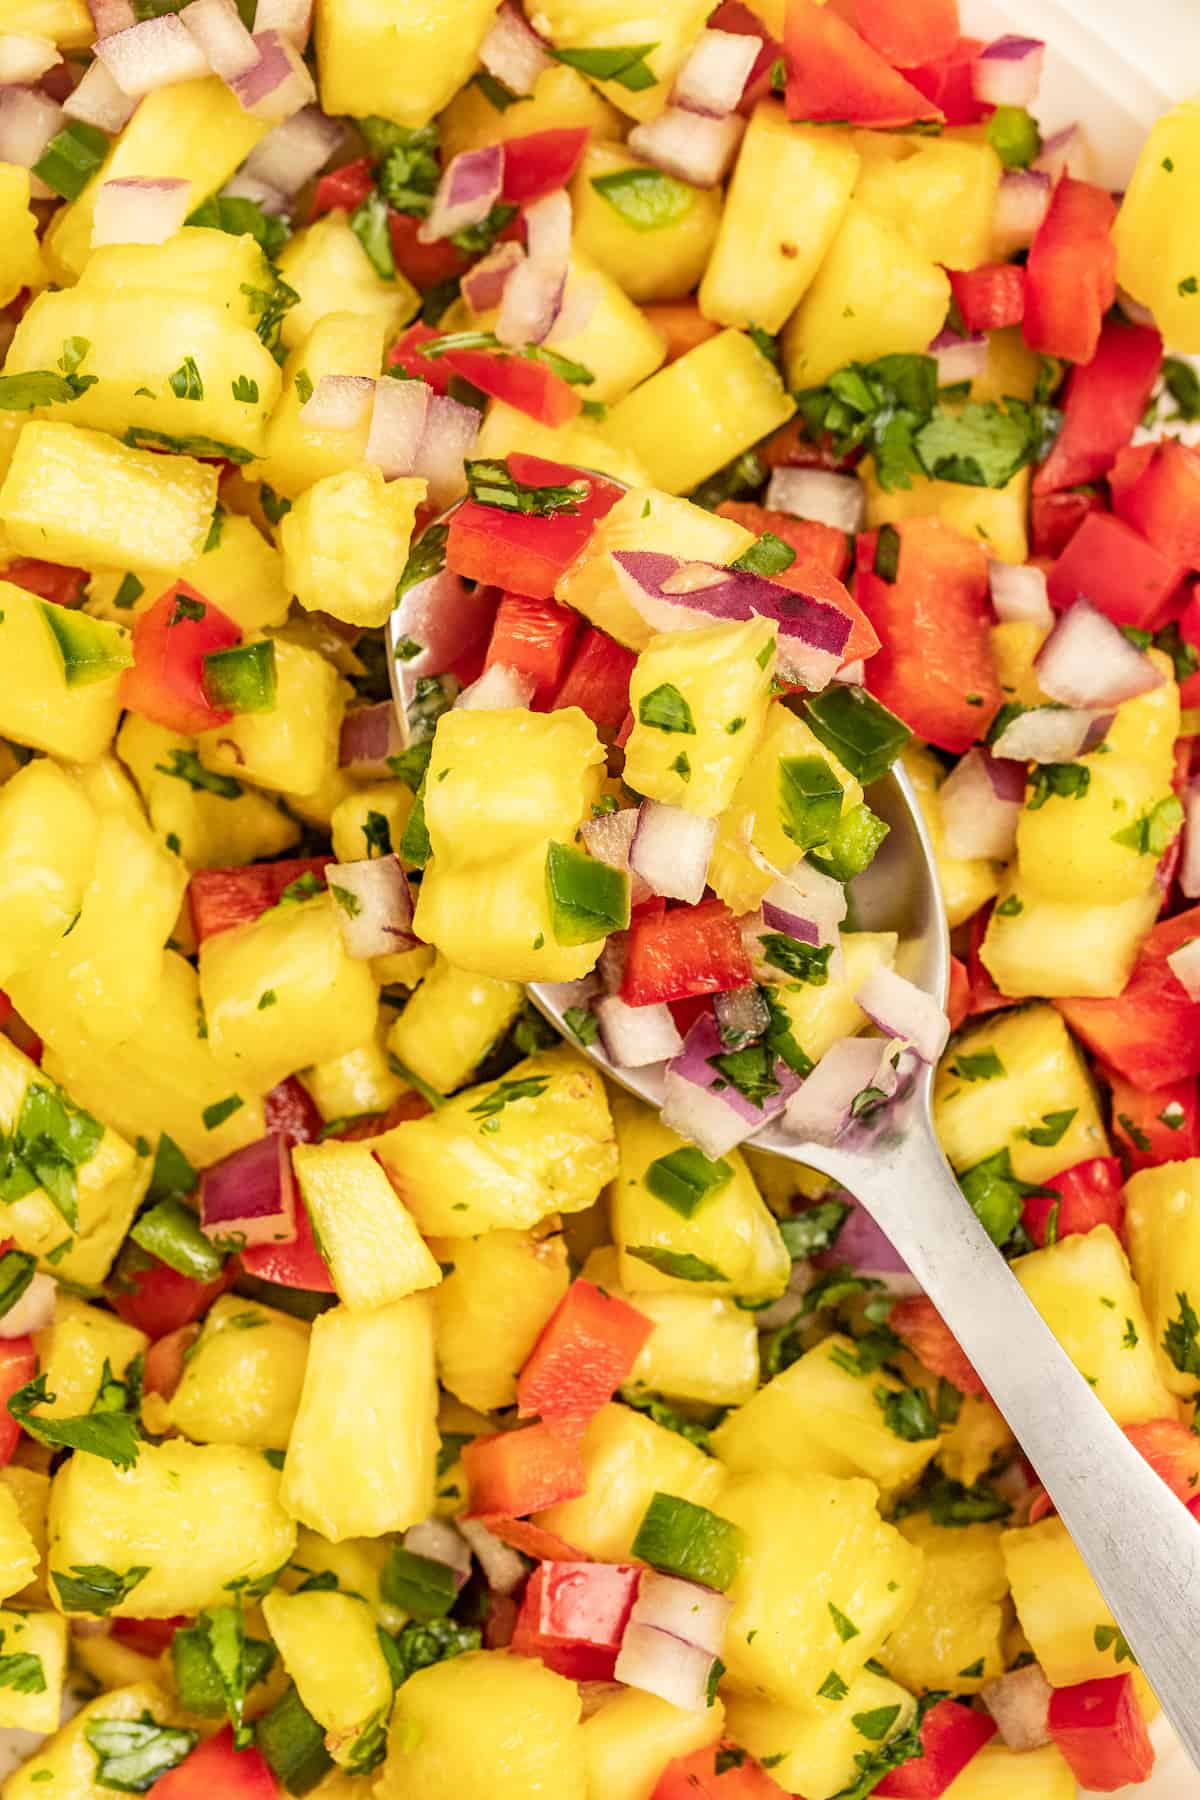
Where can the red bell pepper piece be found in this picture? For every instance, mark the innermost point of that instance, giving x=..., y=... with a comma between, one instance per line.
x=298, y=1264
x=215, y=1767
x=346, y=187
x=405, y=354
x=1164, y=503
x=739, y=21
x=585, y=1350
x=1149, y=1033
x=530, y=387
x=573, y=1616
x=947, y=81
x=165, y=1360
x=290, y=1111
x=958, y=1004
x=1070, y=277
x=689, y=950
x=951, y=1735
x=909, y=33
x=53, y=581
x=149, y=1637
x=935, y=667
x=681, y=324
x=1087, y=1194
x=1157, y=1125
x=371, y=1125
x=1189, y=631
x=991, y=296
x=222, y=898
x=791, y=448
x=522, y=1471
x=598, y=681
x=985, y=996
x=1101, y=1732
x=1129, y=465
x=1055, y=518
x=1116, y=569
x=18, y=1364
x=425, y=265
x=1173, y=1451
x=170, y=642
x=919, y=1324
x=541, y=162
x=531, y=1540
x=535, y=637
x=520, y=552
x=812, y=542
x=718, y=1772
x=159, y=1300
x=834, y=74
x=1104, y=402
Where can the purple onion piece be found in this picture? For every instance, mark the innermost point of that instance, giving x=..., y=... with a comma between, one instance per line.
x=900, y=1009
x=250, y=1197
x=1086, y=661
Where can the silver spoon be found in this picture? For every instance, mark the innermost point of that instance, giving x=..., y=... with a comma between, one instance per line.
x=1141, y=1545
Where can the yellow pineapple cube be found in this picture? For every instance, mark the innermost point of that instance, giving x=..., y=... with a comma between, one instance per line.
x=198, y=263
x=1155, y=249
x=375, y=1252
x=242, y=1378
x=941, y=193
x=65, y=22
x=656, y=251
x=813, y=1748
x=1015, y=644
x=31, y=1491
x=18, y=1552
x=998, y=1773
x=345, y=544
x=1146, y=727
x=703, y=1348
x=1041, y=947
x=1071, y=849
x=73, y=1350
x=21, y=264
x=241, y=573
x=599, y=24
x=356, y=1563
x=995, y=515
x=298, y=454
x=47, y=846
x=497, y=1292
x=205, y=830
x=561, y=97
x=42, y=1635
x=1059, y=1605
x=553, y=770
x=1163, y=1218
x=581, y=444
x=952, y=1637
x=292, y=749
x=451, y=1023
x=495, y=918
x=61, y=676
x=403, y=59
x=371, y=821
x=632, y=1736
x=65, y=1765
x=328, y=268
x=329, y=1645
x=978, y=1438
x=361, y=1081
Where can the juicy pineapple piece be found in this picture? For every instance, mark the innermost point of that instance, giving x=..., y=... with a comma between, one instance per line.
x=507, y=1153
x=495, y=919
x=766, y=256
x=242, y=1378
x=1163, y=1220
x=198, y=263
x=1043, y=1073
x=21, y=262
x=1145, y=728
x=1155, y=250
x=997, y=1773
x=328, y=268
x=561, y=97
x=1070, y=849
x=552, y=764
x=73, y=1351
x=298, y=454
x=368, y=1405
x=703, y=1348
x=329, y=1645
x=874, y=295
x=18, y=1552
x=31, y=1491
x=48, y=836
x=1058, y=1604
x=356, y=1564
x=325, y=1001
x=1015, y=644
x=241, y=573
x=701, y=411
x=46, y=702
x=820, y=1016
x=693, y=755
x=206, y=830
x=65, y=1765
x=966, y=884
x=600, y=24
x=66, y=23
x=292, y=749
x=629, y=1740
x=817, y=1744
x=644, y=519
x=581, y=444
x=42, y=1635
x=732, y=1235
x=524, y=1737
x=1052, y=948
x=374, y=1249
x=361, y=1081
x=345, y=544
x=403, y=59
x=654, y=252
x=821, y=1542
x=451, y=1023
x=952, y=1637
x=170, y=1516
x=940, y=193
x=627, y=1459
x=618, y=344
x=996, y=515
x=497, y=1293
x=977, y=1438
x=371, y=821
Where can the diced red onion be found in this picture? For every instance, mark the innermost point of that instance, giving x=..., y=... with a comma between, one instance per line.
x=1008, y=71
x=959, y=358
x=97, y=100
x=608, y=838
x=483, y=285
x=852, y=674
x=440, y=1542
x=338, y=403
x=701, y=1105
x=611, y=967
x=714, y=77
x=1087, y=661
x=27, y=123
x=695, y=1615
x=110, y=16
x=580, y=301
x=1046, y=734
x=742, y=1016
x=1022, y=202
x=398, y=413
x=1189, y=867
x=1134, y=311
x=448, y=439
x=513, y=52
x=466, y=194
x=865, y=1248
x=1066, y=153
x=278, y=85
x=805, y=904
x=373, y=905
x=980, y=803
x=154, y=54
x=1184, y=964
x=445, y=618
x=790, y=1304
x=636, y=1036
x=671, y=849
x=370, y=734
x=822, y=1109
x=688, y=145
x=837, y=500
x=224, y=41
x=24, y=58
x=294, y=151
x=140, y=210
x=250, y=1197
x=504, y=1570
x=900, y=1009
x=245, y=187
x=1019, y=593
x=292, y=19
x=812, y=632
x=1020, y=1704
x=34, y=1311
x=533, y=294
x=498, y=689
x=658, y=1663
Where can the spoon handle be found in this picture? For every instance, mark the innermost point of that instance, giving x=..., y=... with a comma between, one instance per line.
x=1141, y=1545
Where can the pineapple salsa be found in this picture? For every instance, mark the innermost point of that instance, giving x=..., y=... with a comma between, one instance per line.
x=484, y=494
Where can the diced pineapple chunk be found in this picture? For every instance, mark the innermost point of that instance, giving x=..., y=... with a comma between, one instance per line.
x=375, y=1252
x=561, y=97
x=1041, y=947
x=819, y=1016
x=292, y=749
x=357, y=1565
x=403, y=59
x=629, y=1740
x=978, y=1438
x=996, y=515
x=552, y=766
x=618, y=344
x=1071, y=848
x=952, y=1637
x=998, y=1773
x=1163, y=1219
x=329, y=1645
x=47, y=846
x=197, y=263
x=30, y=1488
x=298, y=454
x=371, y=821
x=1146, y=727
x=703, y=1348
x=451, y=1022
x=966, y=884
x=345, y=544
x=42, y=1635
x=241, y=573
x=497, y=1293
x=627, y=1459
x=693, y=755
x=507, y=1153
x=816, y=1745
x=45, y=702
x=73, y=1350
x=849, y=1579
x=169, y=1516
x=1155, y=246
x=368, y=1408
x=21, y=264
x=64, y=1767
x=242, y=1378
x=206, y=830
x=1015, y=644
x=361, y=1081
x=66, y=23
x=940, y=193
x=1059, y=1605
x=523, y=1737
x=1041, y=1073
x=494, y=918
x=655, y=252
x=329, y=269
x=18, y=1552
